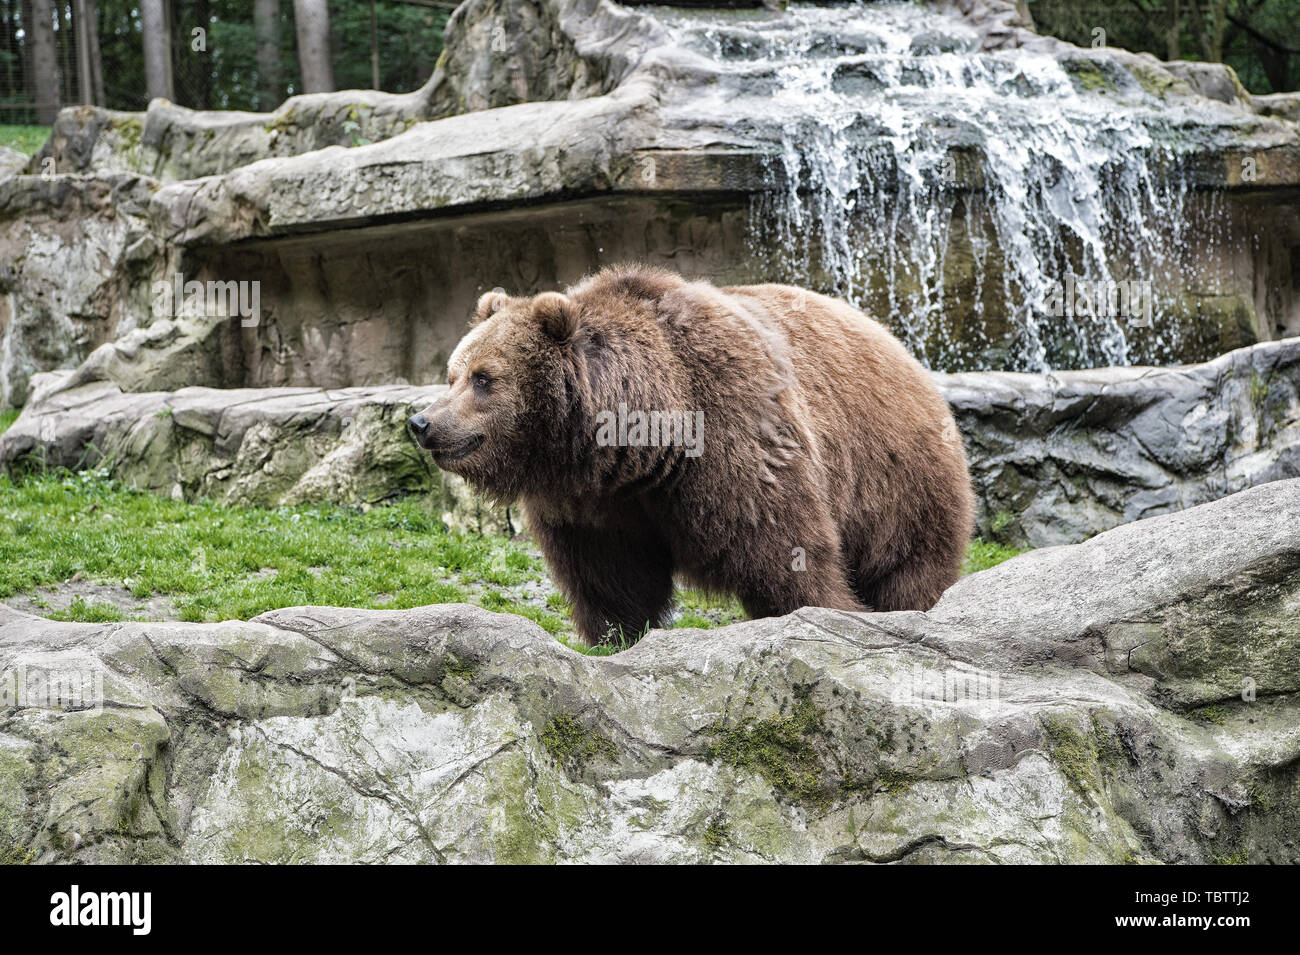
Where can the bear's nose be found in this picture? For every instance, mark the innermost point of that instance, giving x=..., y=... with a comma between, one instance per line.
x=419, y=426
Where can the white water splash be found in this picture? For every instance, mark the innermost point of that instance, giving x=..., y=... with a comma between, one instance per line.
x=871, y=106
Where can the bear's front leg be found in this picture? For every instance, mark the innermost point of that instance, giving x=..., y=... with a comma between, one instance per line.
x=618, y=579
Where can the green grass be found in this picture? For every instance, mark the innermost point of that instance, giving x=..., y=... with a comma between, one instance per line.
x=7, y=418
x=982, y=554
x=25, y=139
x=219, y=563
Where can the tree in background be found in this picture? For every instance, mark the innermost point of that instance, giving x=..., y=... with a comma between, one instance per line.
x=44, y=62
x=247, y=57
x=266, y=26
x=157, y=49
x=1257, y=38
x=312, y=24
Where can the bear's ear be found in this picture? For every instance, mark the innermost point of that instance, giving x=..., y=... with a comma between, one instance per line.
x=489, y=303
x=556, y=314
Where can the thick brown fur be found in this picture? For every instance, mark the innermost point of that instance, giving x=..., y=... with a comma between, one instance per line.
x=830, y=471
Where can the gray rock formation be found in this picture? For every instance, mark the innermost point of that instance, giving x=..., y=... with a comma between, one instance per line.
x=1057, y=458
x=263, y=446
x=561, y=135
x=1131, y=699
x=77, y=256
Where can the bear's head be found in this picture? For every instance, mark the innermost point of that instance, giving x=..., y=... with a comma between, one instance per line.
x=510, y=385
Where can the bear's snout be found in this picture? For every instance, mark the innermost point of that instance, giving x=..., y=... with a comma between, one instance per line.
x=439, y=432
x=419, y=426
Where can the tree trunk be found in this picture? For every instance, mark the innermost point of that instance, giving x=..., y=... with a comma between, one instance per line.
x=266, y=25
x=45, y=66
x=1174, y=27
x=312, y=23
x=85, y=75
x=96, y=58
x=157, y=50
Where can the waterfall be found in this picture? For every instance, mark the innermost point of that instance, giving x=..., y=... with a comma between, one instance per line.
x=880, y=117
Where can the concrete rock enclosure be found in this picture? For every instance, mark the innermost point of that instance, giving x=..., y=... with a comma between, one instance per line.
x=590, y=131
x=1131, y=699
x=1130, y=696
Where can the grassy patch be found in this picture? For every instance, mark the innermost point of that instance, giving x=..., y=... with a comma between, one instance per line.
x=982, y=554
x=213, y=562
x=25, y=139
x=7, y=418
x=218, y=563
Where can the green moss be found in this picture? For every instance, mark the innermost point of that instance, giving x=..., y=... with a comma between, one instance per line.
x=282, y=122
x=16, y=855
x=1088, y=75
x=130, y=129
x=573, y=745
x=778, y=748
x=1074, y=754
x=1110, y=755
x=717, y=833
x=1210, y=714
x=1155, y=81
x=453, y=665
x=8, y=417
x=894, y=781
x=1238, y=856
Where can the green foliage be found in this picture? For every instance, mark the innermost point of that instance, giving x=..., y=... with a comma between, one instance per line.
x=25, y=139
x=224, y=75
x=84, y=611
x=982, y=554
x=1254, y=37
x=8, y=417
x=217, y=563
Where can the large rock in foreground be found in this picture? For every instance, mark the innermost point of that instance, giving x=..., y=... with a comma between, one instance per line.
x=1129, y=699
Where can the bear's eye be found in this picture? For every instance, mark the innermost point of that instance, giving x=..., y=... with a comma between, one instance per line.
x=482, y=382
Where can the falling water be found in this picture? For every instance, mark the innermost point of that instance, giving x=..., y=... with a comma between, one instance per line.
x=880, y=114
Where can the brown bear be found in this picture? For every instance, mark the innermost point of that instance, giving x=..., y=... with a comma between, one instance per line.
x=762, y=441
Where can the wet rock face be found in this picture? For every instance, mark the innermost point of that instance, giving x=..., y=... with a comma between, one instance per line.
x=1058, y=458
x=1131, y=699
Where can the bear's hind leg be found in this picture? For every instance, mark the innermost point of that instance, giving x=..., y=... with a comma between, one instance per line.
x=915, y=584
x=619, y=580
x=805, y=570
